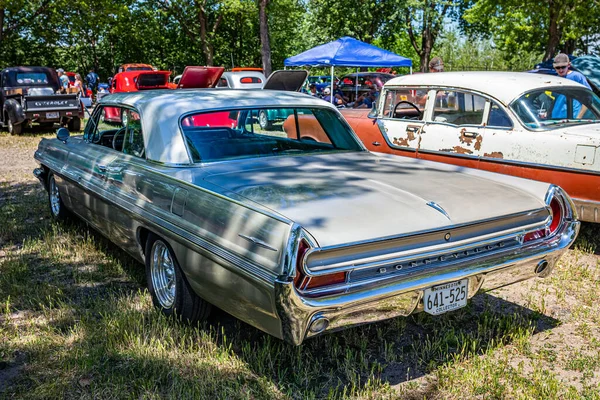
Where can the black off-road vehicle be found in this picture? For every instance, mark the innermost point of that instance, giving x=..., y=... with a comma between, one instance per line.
x=30, y=94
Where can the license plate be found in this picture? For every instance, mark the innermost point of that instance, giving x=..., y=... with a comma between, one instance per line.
x=52, y=115
x=447, y=297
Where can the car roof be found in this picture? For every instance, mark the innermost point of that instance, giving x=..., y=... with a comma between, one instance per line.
x=504, y=86
x=161, y=110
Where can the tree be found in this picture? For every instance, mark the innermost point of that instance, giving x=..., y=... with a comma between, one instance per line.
x=533, y=25
x=265, y=45
x=424, y=22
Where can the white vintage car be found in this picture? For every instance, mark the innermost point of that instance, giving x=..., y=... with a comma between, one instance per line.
x=295, y=229
x=534, y=126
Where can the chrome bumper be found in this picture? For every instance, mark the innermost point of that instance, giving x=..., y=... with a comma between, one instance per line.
x=587, y=210
x=303, y=317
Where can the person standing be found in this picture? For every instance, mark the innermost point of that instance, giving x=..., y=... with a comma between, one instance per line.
x=436, y=65
x=91, y=80
x=79, y=84
x=561, y=65
x=64, y=80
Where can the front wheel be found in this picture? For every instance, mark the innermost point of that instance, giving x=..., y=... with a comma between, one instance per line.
x=167, y=285
x=57, y=207
x=263, y=120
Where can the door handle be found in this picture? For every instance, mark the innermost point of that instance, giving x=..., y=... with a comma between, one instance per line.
x=470, y=134
x=412, y=128
x=376, y=144
x=102, y=168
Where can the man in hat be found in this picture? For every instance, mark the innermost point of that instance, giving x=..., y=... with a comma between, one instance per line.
x=436, y=65
x=561, y=65
x=64, y=80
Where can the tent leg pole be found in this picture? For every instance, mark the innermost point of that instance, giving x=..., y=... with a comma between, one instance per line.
x=411, y=70
x=331, y=95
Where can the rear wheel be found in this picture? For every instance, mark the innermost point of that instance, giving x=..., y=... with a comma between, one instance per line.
x=15, y=129
x=75, y=124
x=168, y=286
x=57, y=207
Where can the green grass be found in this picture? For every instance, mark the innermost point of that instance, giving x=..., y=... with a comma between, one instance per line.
x=77, y=322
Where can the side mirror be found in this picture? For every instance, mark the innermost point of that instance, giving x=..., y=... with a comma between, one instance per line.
x=63, y=134
x=373, y=113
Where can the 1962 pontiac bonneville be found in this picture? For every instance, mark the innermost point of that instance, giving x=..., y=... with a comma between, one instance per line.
x=291, y=234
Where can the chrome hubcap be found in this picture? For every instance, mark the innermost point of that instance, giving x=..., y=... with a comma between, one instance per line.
x=262, y=119
x=162, y=271
x=54, y=197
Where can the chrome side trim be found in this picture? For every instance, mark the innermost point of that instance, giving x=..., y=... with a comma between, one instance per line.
x=257, y=242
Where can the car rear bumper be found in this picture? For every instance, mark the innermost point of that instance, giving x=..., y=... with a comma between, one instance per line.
x=303, y=317
x=587, y=210
x=46, y=115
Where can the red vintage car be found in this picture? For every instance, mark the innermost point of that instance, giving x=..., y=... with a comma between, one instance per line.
x=133, y=81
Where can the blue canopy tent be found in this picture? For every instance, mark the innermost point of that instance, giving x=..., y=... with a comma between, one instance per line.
x=347, y=52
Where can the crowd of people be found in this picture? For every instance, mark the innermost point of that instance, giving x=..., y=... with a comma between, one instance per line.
x=364, y=100
x=87, y=88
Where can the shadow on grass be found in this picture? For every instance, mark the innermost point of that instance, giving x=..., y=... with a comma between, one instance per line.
x=345, y=363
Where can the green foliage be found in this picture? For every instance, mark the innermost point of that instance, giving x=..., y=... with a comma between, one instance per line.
x=80, y=34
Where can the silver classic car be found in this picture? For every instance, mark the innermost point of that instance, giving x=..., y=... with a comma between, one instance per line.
x=296, y=229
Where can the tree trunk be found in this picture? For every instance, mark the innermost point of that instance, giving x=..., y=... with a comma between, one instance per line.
x=265, y=45
x=553, y=31
x=206, y=49
x=1, y=24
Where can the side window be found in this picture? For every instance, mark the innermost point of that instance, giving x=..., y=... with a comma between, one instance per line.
x=105, y=124
x=133, y=143
x=498, y=117
x=405, y=103
x=458, y=108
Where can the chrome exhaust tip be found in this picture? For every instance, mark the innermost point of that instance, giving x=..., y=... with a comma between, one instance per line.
x=318, y=324
x=541, y=267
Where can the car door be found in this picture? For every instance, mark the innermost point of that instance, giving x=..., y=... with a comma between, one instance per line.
x=89, y=160
x=128, y=184
x=455, y=127
x=403, y=116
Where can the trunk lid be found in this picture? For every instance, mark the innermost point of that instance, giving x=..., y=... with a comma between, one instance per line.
x=361, y=196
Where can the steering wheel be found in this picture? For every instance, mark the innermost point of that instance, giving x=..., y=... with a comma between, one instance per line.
x=114, y=141
x=419, y=113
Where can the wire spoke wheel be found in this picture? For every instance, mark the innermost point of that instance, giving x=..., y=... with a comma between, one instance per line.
x=162, y=270
x=55, y=203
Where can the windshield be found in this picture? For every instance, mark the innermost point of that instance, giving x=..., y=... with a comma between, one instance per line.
x=557, y=107
x=265, y=132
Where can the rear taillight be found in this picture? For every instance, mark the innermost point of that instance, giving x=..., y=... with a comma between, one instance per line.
x=557, y=216
x=304, y=282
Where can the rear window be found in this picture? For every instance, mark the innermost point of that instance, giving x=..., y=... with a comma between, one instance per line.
x=32, y=78
x=265, y=132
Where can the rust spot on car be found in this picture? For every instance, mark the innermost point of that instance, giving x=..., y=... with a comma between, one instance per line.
x=465, y=139
x=461, y=150
x=401, y=142
x=478, y=142
x=410, y=135
x=494, y=154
